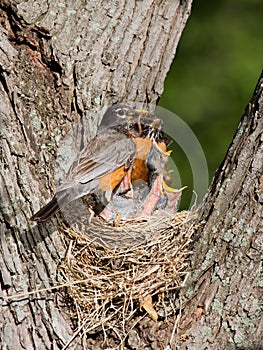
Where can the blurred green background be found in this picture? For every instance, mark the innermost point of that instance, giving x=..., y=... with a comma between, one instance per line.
x=216, y=68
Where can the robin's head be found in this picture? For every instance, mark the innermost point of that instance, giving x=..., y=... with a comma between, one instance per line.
x=117, y=115
x=135, y=121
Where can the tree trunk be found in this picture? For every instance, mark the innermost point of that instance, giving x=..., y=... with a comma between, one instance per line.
x=60, y=63
x=223, y=295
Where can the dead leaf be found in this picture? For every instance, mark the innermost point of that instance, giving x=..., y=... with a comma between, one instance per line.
x=148, y=307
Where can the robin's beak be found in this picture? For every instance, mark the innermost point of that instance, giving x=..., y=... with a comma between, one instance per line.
x=142, y=111
x=171, y=189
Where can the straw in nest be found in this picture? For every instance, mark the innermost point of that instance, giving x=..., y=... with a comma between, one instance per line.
x=114, y=272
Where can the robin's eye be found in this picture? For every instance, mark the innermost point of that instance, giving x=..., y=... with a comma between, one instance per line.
x=120, y=112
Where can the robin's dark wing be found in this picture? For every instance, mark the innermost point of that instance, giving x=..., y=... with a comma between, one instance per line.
x=104, y=154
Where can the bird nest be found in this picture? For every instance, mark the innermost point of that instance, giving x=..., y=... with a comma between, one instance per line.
x=115, y=275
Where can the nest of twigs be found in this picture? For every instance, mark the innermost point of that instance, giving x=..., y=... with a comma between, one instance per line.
x=115, y=275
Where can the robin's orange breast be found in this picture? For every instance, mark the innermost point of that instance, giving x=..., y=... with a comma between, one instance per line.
x=143, y=147
x=110, y=181
x=139, y=169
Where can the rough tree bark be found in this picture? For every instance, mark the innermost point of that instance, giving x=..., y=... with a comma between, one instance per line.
x=223, y=296
x=60, y=62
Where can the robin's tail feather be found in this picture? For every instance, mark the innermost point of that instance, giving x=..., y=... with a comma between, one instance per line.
x=47, y=211
x=61, y=199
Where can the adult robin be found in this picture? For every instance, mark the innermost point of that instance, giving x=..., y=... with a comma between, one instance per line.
x=103, y=164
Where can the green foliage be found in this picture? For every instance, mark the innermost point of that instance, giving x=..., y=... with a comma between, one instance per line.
x=214, y=73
